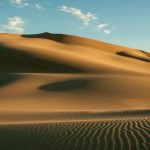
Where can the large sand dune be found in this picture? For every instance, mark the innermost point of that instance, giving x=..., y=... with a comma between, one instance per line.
x=66, y=92
x=64, y=72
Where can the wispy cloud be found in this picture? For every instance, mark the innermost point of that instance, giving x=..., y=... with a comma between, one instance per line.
x=107, y=31
x=38, y=6
x=102, y=26
x=86, y=18
x=19, y=3
x=13, y=25
x=26, y=3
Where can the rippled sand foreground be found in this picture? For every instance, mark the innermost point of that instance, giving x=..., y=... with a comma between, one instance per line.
x=87, y=131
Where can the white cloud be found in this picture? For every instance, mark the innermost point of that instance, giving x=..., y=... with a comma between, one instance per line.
x=13, y=25
x=102, y=26
x=107, y=31
x=86, y=18
x=25, y=3
x=38, y=6
x=20, y=3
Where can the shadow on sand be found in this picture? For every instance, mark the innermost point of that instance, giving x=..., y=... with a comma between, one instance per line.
x=68, y=85
x=7, y=78
x=46, y=35
x=13, y=60
x=122, y=53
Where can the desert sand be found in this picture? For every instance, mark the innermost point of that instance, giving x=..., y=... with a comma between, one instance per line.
x=56, y=88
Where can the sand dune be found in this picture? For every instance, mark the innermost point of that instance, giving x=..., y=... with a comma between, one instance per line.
x=44, y=55
x=64, y=72
x=67, y=92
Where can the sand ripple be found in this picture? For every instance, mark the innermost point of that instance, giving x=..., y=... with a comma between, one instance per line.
x=122, y=134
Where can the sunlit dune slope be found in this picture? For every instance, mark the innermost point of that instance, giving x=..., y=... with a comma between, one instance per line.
x=63, y=72
x=67, y=54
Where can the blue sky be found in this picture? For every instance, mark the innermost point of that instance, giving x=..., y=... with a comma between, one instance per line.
x=124, y=22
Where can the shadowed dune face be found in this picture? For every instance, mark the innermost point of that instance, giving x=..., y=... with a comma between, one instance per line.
x=130, y=55
x=67, y=85
x=13, y=60
x=8, y=78
x=148, y=54
x=54, y=37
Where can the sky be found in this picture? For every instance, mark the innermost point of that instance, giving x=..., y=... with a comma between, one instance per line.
x=122, y=22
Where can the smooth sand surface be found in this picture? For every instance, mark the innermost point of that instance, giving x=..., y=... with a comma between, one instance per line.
x=55, y=72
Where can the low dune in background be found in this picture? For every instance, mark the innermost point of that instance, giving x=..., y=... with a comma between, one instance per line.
x=54, y=72
x=63, y=92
